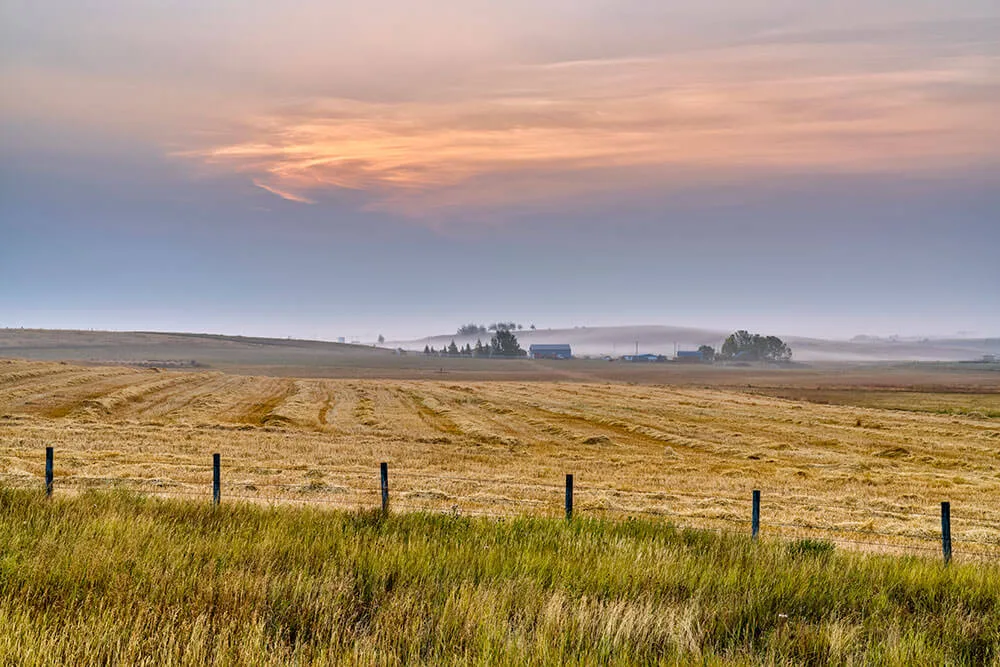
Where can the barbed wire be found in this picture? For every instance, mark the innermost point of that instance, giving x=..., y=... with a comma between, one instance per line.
x=583, y=491
x=160, y=487
x=906, y=513
x=401, y=475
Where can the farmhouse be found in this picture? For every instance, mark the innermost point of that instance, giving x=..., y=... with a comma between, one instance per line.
x=560, y=351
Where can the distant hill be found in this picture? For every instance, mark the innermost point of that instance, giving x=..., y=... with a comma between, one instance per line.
x=175, y=349
x=660, y=339
x=308, y=357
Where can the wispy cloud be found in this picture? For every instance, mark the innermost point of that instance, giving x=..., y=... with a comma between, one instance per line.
x=772, y=106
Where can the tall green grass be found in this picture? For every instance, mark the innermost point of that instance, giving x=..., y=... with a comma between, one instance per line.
x=119, y=578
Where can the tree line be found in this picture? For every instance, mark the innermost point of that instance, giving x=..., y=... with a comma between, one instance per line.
x=502, y=344
x=473, y=329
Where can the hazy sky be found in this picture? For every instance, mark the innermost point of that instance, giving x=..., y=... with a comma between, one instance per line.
x=321, y=168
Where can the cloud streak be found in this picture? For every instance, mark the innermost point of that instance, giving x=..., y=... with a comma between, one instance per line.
x=540, y=128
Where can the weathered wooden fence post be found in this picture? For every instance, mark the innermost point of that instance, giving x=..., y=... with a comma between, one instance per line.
x=569, y=497
x=384, y=469
x=946, y=531
x=216, y=479
x=49, y=454
x=755, y=520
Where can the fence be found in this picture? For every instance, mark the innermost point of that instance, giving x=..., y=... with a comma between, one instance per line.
x=870, y=539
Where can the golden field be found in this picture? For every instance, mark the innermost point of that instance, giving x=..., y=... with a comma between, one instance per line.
x=867, y=477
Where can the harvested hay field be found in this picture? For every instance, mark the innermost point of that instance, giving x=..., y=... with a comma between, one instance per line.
x=866, y=477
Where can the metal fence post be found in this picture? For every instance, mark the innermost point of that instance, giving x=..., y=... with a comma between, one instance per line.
x=384, y=470
x=216, y=479
x=49, y=455
x=569, y=497
x=755, y=521
x=946, y=531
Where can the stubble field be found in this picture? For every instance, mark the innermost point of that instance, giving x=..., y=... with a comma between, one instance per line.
x=869, y=478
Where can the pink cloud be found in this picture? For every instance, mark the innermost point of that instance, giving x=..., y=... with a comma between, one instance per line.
x=535, y=132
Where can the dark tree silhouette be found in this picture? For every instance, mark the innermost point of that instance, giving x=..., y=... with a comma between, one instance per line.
x=504, y=344
x=754, y=347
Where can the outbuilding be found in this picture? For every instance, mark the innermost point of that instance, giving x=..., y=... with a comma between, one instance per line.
x=558, y=351
x=643, y=358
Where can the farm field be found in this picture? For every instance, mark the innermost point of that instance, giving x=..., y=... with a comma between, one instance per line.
x=867, y=477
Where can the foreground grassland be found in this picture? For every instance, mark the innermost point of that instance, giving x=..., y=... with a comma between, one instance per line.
x=115, y=578
x=875, y=476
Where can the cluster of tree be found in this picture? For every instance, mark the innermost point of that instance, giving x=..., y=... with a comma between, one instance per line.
x=754, y=347
x=473, y=329
x=502, y=344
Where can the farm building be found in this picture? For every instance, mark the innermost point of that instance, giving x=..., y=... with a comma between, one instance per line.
x=643, y=358
x=560, y=351
x=690, y=356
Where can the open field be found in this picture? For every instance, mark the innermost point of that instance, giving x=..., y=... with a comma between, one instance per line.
x=112, y=578
x=873, y=475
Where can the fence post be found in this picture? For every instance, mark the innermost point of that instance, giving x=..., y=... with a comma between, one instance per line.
x=946, y=531
x=755, y=521
x=216, y=479
x=48, y=471
x=384, y=470
x=569, y=497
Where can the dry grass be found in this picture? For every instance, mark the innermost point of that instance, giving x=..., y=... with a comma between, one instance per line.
x=971, y=403
x=503, y=448
x=114, y=578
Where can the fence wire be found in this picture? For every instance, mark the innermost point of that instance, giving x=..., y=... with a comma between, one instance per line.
x=404, y=495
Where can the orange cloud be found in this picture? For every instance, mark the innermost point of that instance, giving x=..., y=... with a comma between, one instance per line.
x=536, y=132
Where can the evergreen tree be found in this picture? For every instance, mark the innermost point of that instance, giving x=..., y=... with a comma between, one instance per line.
x=427, y=349
x=453, y=349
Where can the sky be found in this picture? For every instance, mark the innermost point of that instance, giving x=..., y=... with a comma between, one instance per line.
x=321, y=169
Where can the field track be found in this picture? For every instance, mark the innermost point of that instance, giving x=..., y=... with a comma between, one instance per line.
x=694, y=454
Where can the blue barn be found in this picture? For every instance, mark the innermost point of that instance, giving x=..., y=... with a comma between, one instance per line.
x=560, y=351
